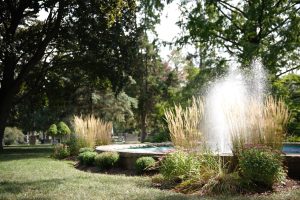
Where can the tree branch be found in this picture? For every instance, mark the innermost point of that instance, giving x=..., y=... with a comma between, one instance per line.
x=282, y=73
x=230, y=19
x=232, y=8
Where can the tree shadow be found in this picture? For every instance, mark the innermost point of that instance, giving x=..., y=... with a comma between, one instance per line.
x=15, y=188
x=10, y=153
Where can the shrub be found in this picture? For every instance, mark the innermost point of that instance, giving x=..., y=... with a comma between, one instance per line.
x=158, y=137
x=180, y=165
x=293, y=138
x=13, y=135
x=85, y=149
x=61, y=151
x=87, y=158
x=144, y=163
x=75, y=144
x=106, y=160
x=63, y=129
x=260, y=166
x=52, y=130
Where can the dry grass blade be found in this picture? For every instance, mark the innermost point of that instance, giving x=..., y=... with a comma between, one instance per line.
x=184, y=124
x=92, y=130
x=258, y=124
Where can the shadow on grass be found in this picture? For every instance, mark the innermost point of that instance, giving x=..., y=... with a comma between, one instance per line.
x=25, y=152
x=9, y=188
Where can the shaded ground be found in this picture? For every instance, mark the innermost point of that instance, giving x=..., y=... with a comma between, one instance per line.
x=29, y=173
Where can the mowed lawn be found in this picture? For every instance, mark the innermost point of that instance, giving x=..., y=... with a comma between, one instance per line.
x=29, y=173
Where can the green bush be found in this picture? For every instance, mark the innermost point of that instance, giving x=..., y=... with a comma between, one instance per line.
x=293, y=138
x=63, y=129
x=85, y=149
x=260, y=166
x=61, y=151
x=180, y=165
x=87, y=158
x=52, y=130
x=144, y=163
x=106, y=160
x=75, y=144
x=159, y=137
x=13, y=135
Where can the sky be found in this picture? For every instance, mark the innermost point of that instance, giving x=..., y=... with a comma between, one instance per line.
x=167, y=30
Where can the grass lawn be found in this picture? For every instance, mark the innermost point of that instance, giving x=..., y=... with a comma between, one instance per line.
x=29, y=173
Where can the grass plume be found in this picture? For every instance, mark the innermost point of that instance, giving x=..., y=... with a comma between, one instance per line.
x=184, y=124
x=92, y=130
x=258, y=123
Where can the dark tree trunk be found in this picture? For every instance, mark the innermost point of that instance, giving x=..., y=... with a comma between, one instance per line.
x=4, y=113
x=1, y=137
x=143, y=126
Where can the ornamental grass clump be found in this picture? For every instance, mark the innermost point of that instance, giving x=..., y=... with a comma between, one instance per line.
x=258, y=123
x=92, y=130
x=184, y=124
x=179, y=165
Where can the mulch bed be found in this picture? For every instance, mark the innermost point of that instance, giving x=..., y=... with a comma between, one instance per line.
x=113, y=171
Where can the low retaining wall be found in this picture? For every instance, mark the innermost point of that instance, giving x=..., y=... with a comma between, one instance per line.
x=128, y=159
x=292, y=162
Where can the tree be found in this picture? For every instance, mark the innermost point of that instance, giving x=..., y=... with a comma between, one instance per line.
x=63, y=129
x=244, y=30
x=288, y=88
x=52, y=130
x=30, y=48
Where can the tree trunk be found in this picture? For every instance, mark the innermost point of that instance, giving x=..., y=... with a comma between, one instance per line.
x=5, y=107
x=143, y=126
x=3, y=120
x=1, y=137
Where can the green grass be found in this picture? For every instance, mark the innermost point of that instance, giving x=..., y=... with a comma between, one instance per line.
x=29, y=173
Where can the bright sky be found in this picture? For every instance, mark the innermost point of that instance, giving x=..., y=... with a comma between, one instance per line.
x=167, y=30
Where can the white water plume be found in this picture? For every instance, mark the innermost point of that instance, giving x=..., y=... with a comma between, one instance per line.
x=235, y=90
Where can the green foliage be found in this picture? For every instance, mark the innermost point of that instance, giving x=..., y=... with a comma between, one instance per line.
x=144, y=163
x=13, y=135
x=87, y=158
x=293, y=138
x=224, y=183
x=63, y=129
x=245, y=30
x=85, y=149
x=61, y=151
x=180, y=165
x=159, y=137
x=288, y=88
x=106, y=160
x=75, y=144
x=52, y=130
x=260, y=166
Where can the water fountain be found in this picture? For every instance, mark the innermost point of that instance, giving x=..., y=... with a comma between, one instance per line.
x=235, y=90
x=232, y=91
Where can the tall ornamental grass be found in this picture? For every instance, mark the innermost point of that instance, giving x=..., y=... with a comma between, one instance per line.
x=92, y=130
x=184, y=124
x=258, y=123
